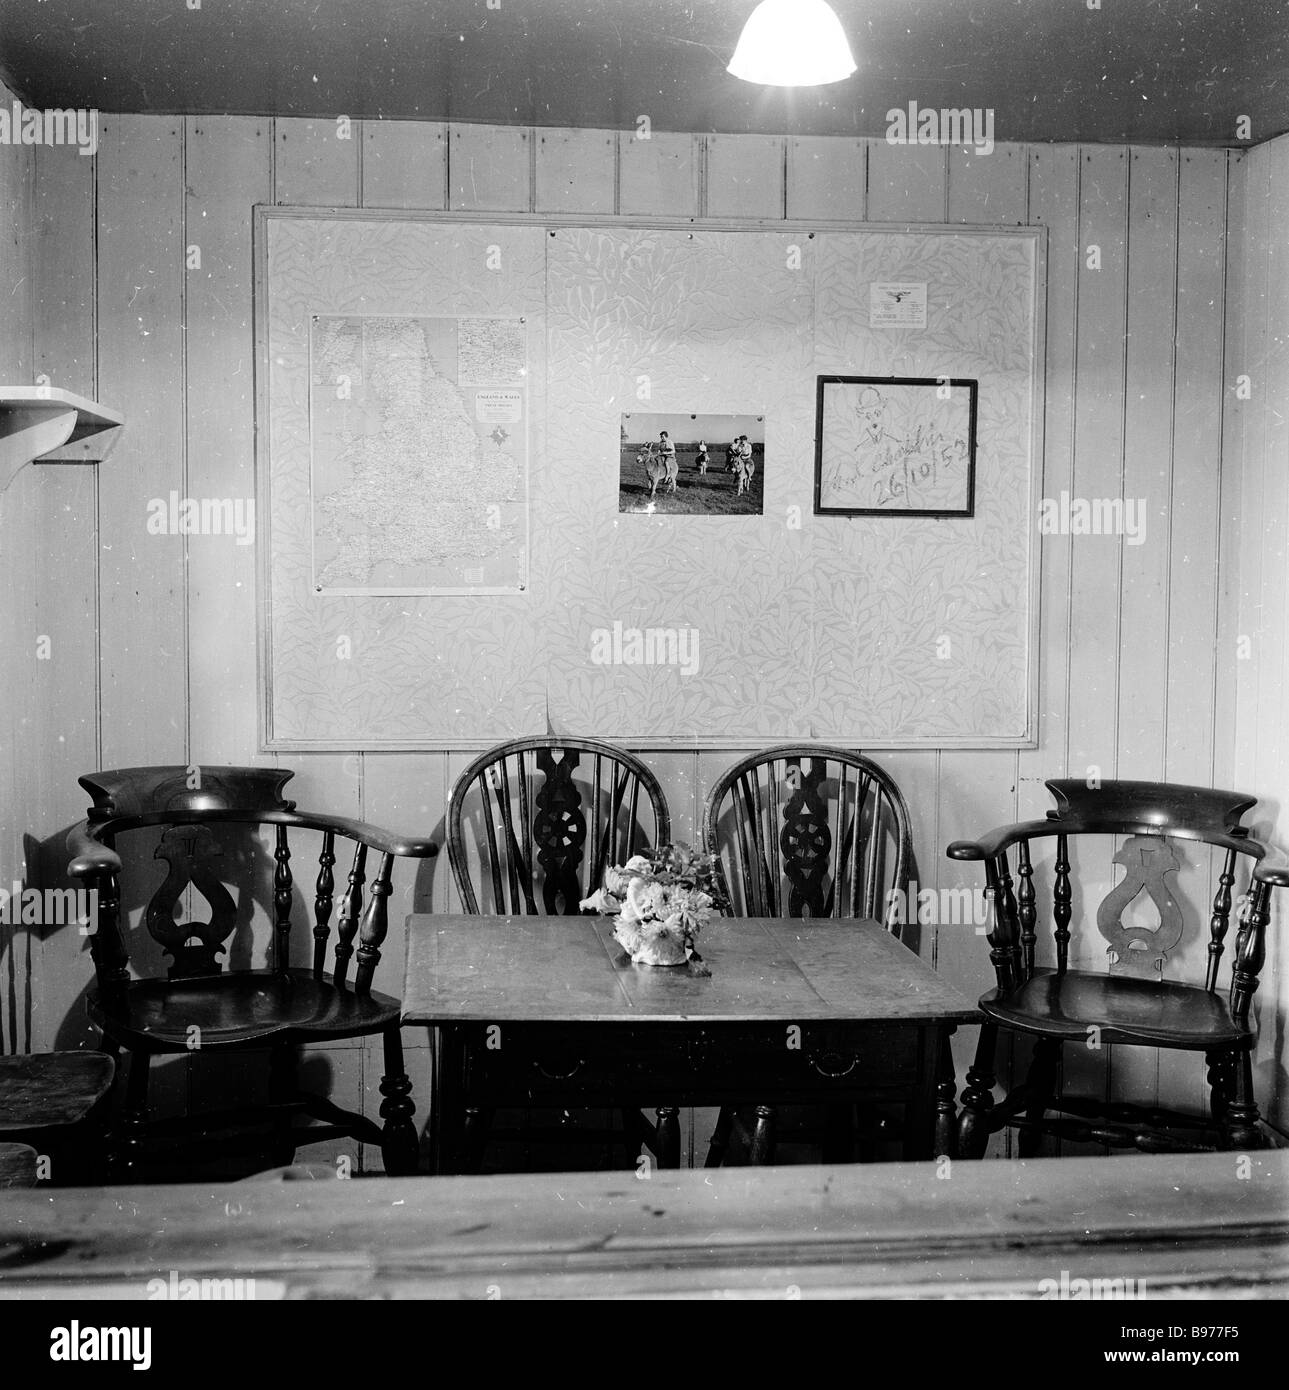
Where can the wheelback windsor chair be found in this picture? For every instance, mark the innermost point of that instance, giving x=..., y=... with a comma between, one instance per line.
x=532, y=824
x=199, y=1003
x=1133, y=1002
x=805, y=830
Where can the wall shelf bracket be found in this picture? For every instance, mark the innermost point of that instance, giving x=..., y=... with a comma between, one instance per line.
x=45, y=425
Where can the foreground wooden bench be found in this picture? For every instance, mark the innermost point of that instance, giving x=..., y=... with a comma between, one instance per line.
x=1181, y=1225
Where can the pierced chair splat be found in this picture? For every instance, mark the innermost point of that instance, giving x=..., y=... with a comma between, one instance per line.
x=149, y=1008
x=805, y=830
x=1141, y=998
x=532, y=824
x=547, y=834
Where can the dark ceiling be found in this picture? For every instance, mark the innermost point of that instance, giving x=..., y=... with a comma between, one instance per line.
x=1148, y=71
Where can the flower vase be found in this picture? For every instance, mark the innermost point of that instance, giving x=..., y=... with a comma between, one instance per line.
x=662, y=948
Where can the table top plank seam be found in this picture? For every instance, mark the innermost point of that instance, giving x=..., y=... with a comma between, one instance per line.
x=466, y=969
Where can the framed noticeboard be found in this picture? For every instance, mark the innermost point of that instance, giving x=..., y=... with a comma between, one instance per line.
x=539, y=475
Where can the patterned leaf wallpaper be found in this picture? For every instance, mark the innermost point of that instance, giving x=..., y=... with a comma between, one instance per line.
x=873, y=630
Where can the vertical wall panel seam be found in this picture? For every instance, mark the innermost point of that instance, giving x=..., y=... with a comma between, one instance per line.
x=274, y=758
x=1172, y=438
x=1074, y=431
x=1123, y=447
x=1024, y=154
x=867, y=175
x=1266, y=465
x=1232, y=464
x=1277, y=178
x=617, y=173
x=700, y=155
x=1026, y=172
x=97, y=483
x=1125, y=299
x=783, y=177
x=29, y=256
x=356, y=134
x=864, y=164
x=1282, y=569
x=1263, y=452
x=1219, y=558
x=186, y=577
x=532, y=169
x=185, y=1067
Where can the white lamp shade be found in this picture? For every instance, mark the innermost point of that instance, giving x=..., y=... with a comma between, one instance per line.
x=792, y=43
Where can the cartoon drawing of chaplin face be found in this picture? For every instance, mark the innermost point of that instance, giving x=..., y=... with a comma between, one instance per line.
x=871, y=410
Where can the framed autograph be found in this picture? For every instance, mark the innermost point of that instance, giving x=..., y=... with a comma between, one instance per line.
x=895, y=446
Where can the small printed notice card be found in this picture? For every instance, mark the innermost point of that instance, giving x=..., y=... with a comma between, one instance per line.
x=897, y=305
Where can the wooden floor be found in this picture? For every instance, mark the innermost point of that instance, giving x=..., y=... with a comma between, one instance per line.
x=1179, y=1226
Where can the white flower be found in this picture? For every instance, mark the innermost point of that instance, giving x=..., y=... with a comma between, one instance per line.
x=601, y=901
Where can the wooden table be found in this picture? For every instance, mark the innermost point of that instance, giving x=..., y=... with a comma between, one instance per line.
x=550, y=1010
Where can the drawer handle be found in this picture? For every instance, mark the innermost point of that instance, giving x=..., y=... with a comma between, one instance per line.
x=559, y=1075
x=827, y=1064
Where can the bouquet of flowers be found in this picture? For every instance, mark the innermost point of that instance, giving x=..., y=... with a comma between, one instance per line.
x=661, y=900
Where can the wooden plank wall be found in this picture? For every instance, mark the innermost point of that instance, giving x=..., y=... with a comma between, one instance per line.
x=1253, y=643
x=20, y=514
x=1132, y=678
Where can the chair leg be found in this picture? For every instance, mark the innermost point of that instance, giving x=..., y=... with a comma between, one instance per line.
x=978, y=1096
x=399, y=1143
x=474, y=1135
x=1219, y=1086
x=98, y=1131
x=720, y=1140
x=1240, y=1128
x=946, y=1115
x=668, y=1135
x=1040, y=1083
x=283, y=1085
x=126, y=1144
x=762, y=1149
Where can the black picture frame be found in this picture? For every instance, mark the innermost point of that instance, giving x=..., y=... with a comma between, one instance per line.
x=892, y=463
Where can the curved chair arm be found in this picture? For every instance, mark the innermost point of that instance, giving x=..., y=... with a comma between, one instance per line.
x=1273, y=869
x=993, y=843
x=89, y=857
x=384, y=840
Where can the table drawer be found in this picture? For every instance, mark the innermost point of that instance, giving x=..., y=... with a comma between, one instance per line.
x=517, y=1063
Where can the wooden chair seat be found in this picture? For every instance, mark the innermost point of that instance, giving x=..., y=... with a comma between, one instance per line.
x=51, y=1090
x=1164, y=1014
x=252, y=1009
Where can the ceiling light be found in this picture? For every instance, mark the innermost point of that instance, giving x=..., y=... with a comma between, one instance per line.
x=792, y=43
